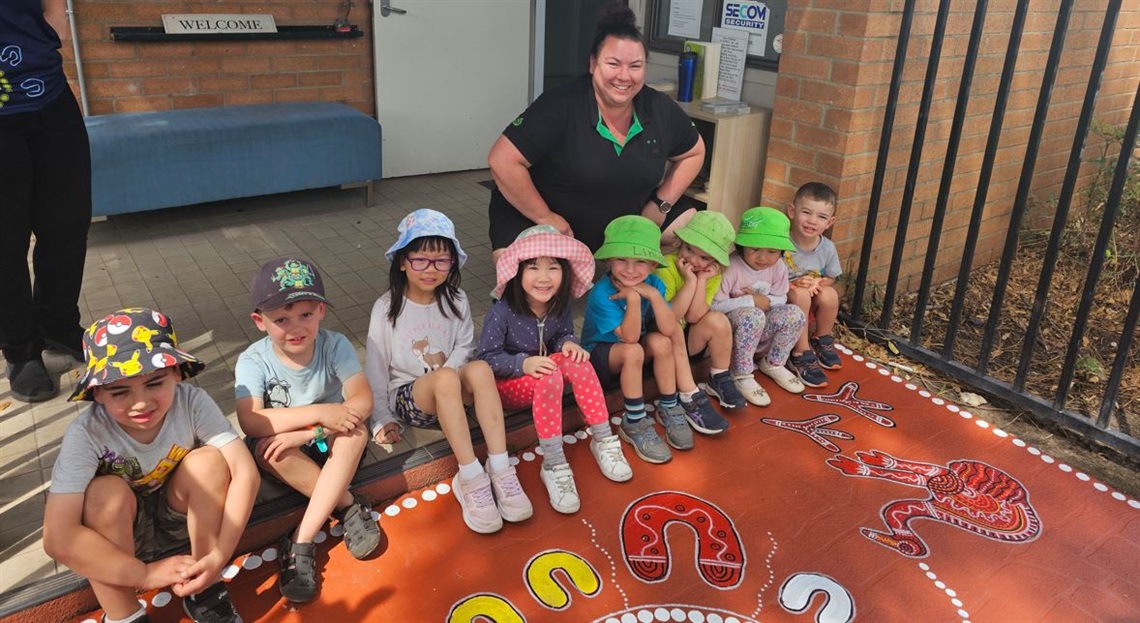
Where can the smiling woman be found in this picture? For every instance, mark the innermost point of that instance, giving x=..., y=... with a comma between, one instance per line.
x=599, y=147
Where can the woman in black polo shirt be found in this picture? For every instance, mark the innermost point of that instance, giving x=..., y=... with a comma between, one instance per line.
x=597, y=148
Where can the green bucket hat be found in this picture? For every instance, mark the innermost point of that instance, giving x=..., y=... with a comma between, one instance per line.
x=765, y=228
x=710, y=232
x=632, y=236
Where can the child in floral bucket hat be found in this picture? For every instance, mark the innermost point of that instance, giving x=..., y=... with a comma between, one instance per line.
x=145, y=458
x=754, y=295
x=628, y=321
x=528, y=340
x=692, y=279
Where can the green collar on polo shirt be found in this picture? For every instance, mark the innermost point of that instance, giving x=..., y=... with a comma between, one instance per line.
x=634, y=130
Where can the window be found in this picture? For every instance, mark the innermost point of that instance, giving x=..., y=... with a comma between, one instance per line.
x=657, y=28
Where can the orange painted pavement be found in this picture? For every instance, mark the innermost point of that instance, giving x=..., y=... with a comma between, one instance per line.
x=876, y=503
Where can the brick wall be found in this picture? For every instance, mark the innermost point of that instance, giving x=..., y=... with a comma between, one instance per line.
x=831, y=96
x=129, y=77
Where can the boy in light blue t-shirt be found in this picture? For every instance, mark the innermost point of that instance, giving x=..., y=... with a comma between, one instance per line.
x=304, y=402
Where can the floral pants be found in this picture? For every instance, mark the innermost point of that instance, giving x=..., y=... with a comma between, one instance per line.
x=544, y=395
x=773, y=332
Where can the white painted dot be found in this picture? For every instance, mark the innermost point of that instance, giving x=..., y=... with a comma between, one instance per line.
x=931, y=575
x=715, y=618
x=160, y=599
x=1119, y=496
x=375, y=516
x=1000, y=433
x=857, y=357
x=1134, y=503
x=661, y=614
x=938, y=401
x=392, y=510
x=884, y=371
x=569, y=439
x=252, y=562
x=513, y=461
x=430, y=495
x=612, y=620
x=89, y=621
x=940, y=584
x=896, y=378
x=269, y=554
x=731, y=619
x=409, y=502
x=1019, y=443
x=321, y=537
x=616, y=420
x=1034, y=451
x=871, y=365
x=924, y=566
x=1100, y=486
x=965, y=415
x=952, y=408
x=678, y=614
x=650, y=407
x=581, y=434
x=911, y=386
x=539, y=451
x=957, y=602
x=443, y=488
x=337, y=530
x=924, y=393
x=982, y=423
x=1065, y=467
x=1047, y=458
x=645, y=616
x=1082, y=476
x=950, y=593
x=230, y=572
x=528, y=456
x=628, y=617
x=696, y=616
x=963, y=614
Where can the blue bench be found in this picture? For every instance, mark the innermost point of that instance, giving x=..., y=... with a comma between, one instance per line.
x=147, y=161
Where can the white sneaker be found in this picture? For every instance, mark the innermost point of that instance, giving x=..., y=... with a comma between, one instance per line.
x=478, y=503
x=751, y=390
x=784, y=377
x=611, y=460
x=559, y=481
x=512, y=501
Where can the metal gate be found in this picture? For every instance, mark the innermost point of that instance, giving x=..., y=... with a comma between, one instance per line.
x=1100, y=426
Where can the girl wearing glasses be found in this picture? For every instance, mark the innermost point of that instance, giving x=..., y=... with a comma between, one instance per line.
x=420, y=339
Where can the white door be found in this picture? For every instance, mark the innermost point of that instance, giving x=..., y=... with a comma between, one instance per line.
x=450, y=75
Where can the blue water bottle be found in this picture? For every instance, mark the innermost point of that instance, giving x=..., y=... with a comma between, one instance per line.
x=686, y=76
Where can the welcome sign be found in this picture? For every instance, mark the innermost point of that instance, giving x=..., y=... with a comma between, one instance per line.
x=217, y=23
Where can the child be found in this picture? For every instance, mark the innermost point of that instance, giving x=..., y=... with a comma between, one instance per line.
x=419, y=342
x=151, y=464
x=618, y=336
x=528, y=340
x=813, y=267
x=753, y=293
x=302, y=399
x=692, y=278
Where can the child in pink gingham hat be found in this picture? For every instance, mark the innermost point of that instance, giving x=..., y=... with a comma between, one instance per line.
x=528, y=340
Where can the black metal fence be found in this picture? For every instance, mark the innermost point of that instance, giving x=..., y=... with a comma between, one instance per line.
x=1098, y=426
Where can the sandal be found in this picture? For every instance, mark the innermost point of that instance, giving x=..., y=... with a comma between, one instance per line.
x=298, y=579
x=361, y=532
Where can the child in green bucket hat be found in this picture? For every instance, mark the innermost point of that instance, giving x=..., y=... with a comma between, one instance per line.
x=754, y=295
x=692, y=279
x=627, y=322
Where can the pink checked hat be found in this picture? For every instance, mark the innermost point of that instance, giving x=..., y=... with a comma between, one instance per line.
x=545, y=241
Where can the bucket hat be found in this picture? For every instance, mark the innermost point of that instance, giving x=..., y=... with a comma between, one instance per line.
x=286, y=279
x=546, y=241
x=765, y=228
x=710, y=232
x=128, y=343
x=425, y=222
x=632, y=236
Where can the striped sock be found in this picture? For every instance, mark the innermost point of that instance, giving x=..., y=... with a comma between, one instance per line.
x=669, y=400
x=634, y=409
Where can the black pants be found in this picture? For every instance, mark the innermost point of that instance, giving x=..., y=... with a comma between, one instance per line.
x=45, y=190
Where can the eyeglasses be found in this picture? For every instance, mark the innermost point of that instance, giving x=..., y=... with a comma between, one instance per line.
x=442, y=264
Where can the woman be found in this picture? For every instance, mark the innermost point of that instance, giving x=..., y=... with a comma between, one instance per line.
x=597, y=148
x=45, y=171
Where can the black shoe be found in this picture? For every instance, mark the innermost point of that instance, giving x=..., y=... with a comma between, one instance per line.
x=361, y=532
x=212, y=605
x=298, y=578
x=31, y=382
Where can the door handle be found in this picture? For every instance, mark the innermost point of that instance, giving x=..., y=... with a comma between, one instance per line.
x=387, y=9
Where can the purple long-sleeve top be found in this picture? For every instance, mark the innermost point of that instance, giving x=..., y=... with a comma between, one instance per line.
x=509, y=338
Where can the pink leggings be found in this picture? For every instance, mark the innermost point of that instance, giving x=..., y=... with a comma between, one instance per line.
x=544, y=395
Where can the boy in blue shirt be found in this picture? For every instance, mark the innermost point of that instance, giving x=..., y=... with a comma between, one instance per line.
x=628, y=321
x=304, y=402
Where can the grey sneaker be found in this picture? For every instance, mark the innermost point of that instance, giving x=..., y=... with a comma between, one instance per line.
x=702, y=416
x=677, y=431
x=643, y=437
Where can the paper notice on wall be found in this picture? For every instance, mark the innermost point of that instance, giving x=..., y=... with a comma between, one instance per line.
x=733, y=55
x=750, y=17
x=685, y=19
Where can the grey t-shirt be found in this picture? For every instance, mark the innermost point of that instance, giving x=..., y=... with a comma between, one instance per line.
x=95, y=445
x=822, y=261
x=260, y=373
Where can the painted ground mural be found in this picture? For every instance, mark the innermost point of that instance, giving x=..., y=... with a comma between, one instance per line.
x=869, y=500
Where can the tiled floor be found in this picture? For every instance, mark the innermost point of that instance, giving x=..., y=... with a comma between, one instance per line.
x=195, y=264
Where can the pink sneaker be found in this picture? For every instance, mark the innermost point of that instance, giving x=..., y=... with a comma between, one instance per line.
x=478, y=503
x=509, y=495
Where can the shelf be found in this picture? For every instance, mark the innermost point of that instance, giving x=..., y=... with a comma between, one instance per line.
x=699, y=195
x=156, y=34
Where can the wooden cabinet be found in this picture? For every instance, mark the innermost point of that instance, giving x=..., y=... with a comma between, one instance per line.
x=734, y=159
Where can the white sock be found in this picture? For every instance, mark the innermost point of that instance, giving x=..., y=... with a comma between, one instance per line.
x=716, y=371
x=470, y=470
x=140, y=613
x=498, y=462
x=688, y=396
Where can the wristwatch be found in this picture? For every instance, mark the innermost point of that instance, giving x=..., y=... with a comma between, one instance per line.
x=662, y=205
